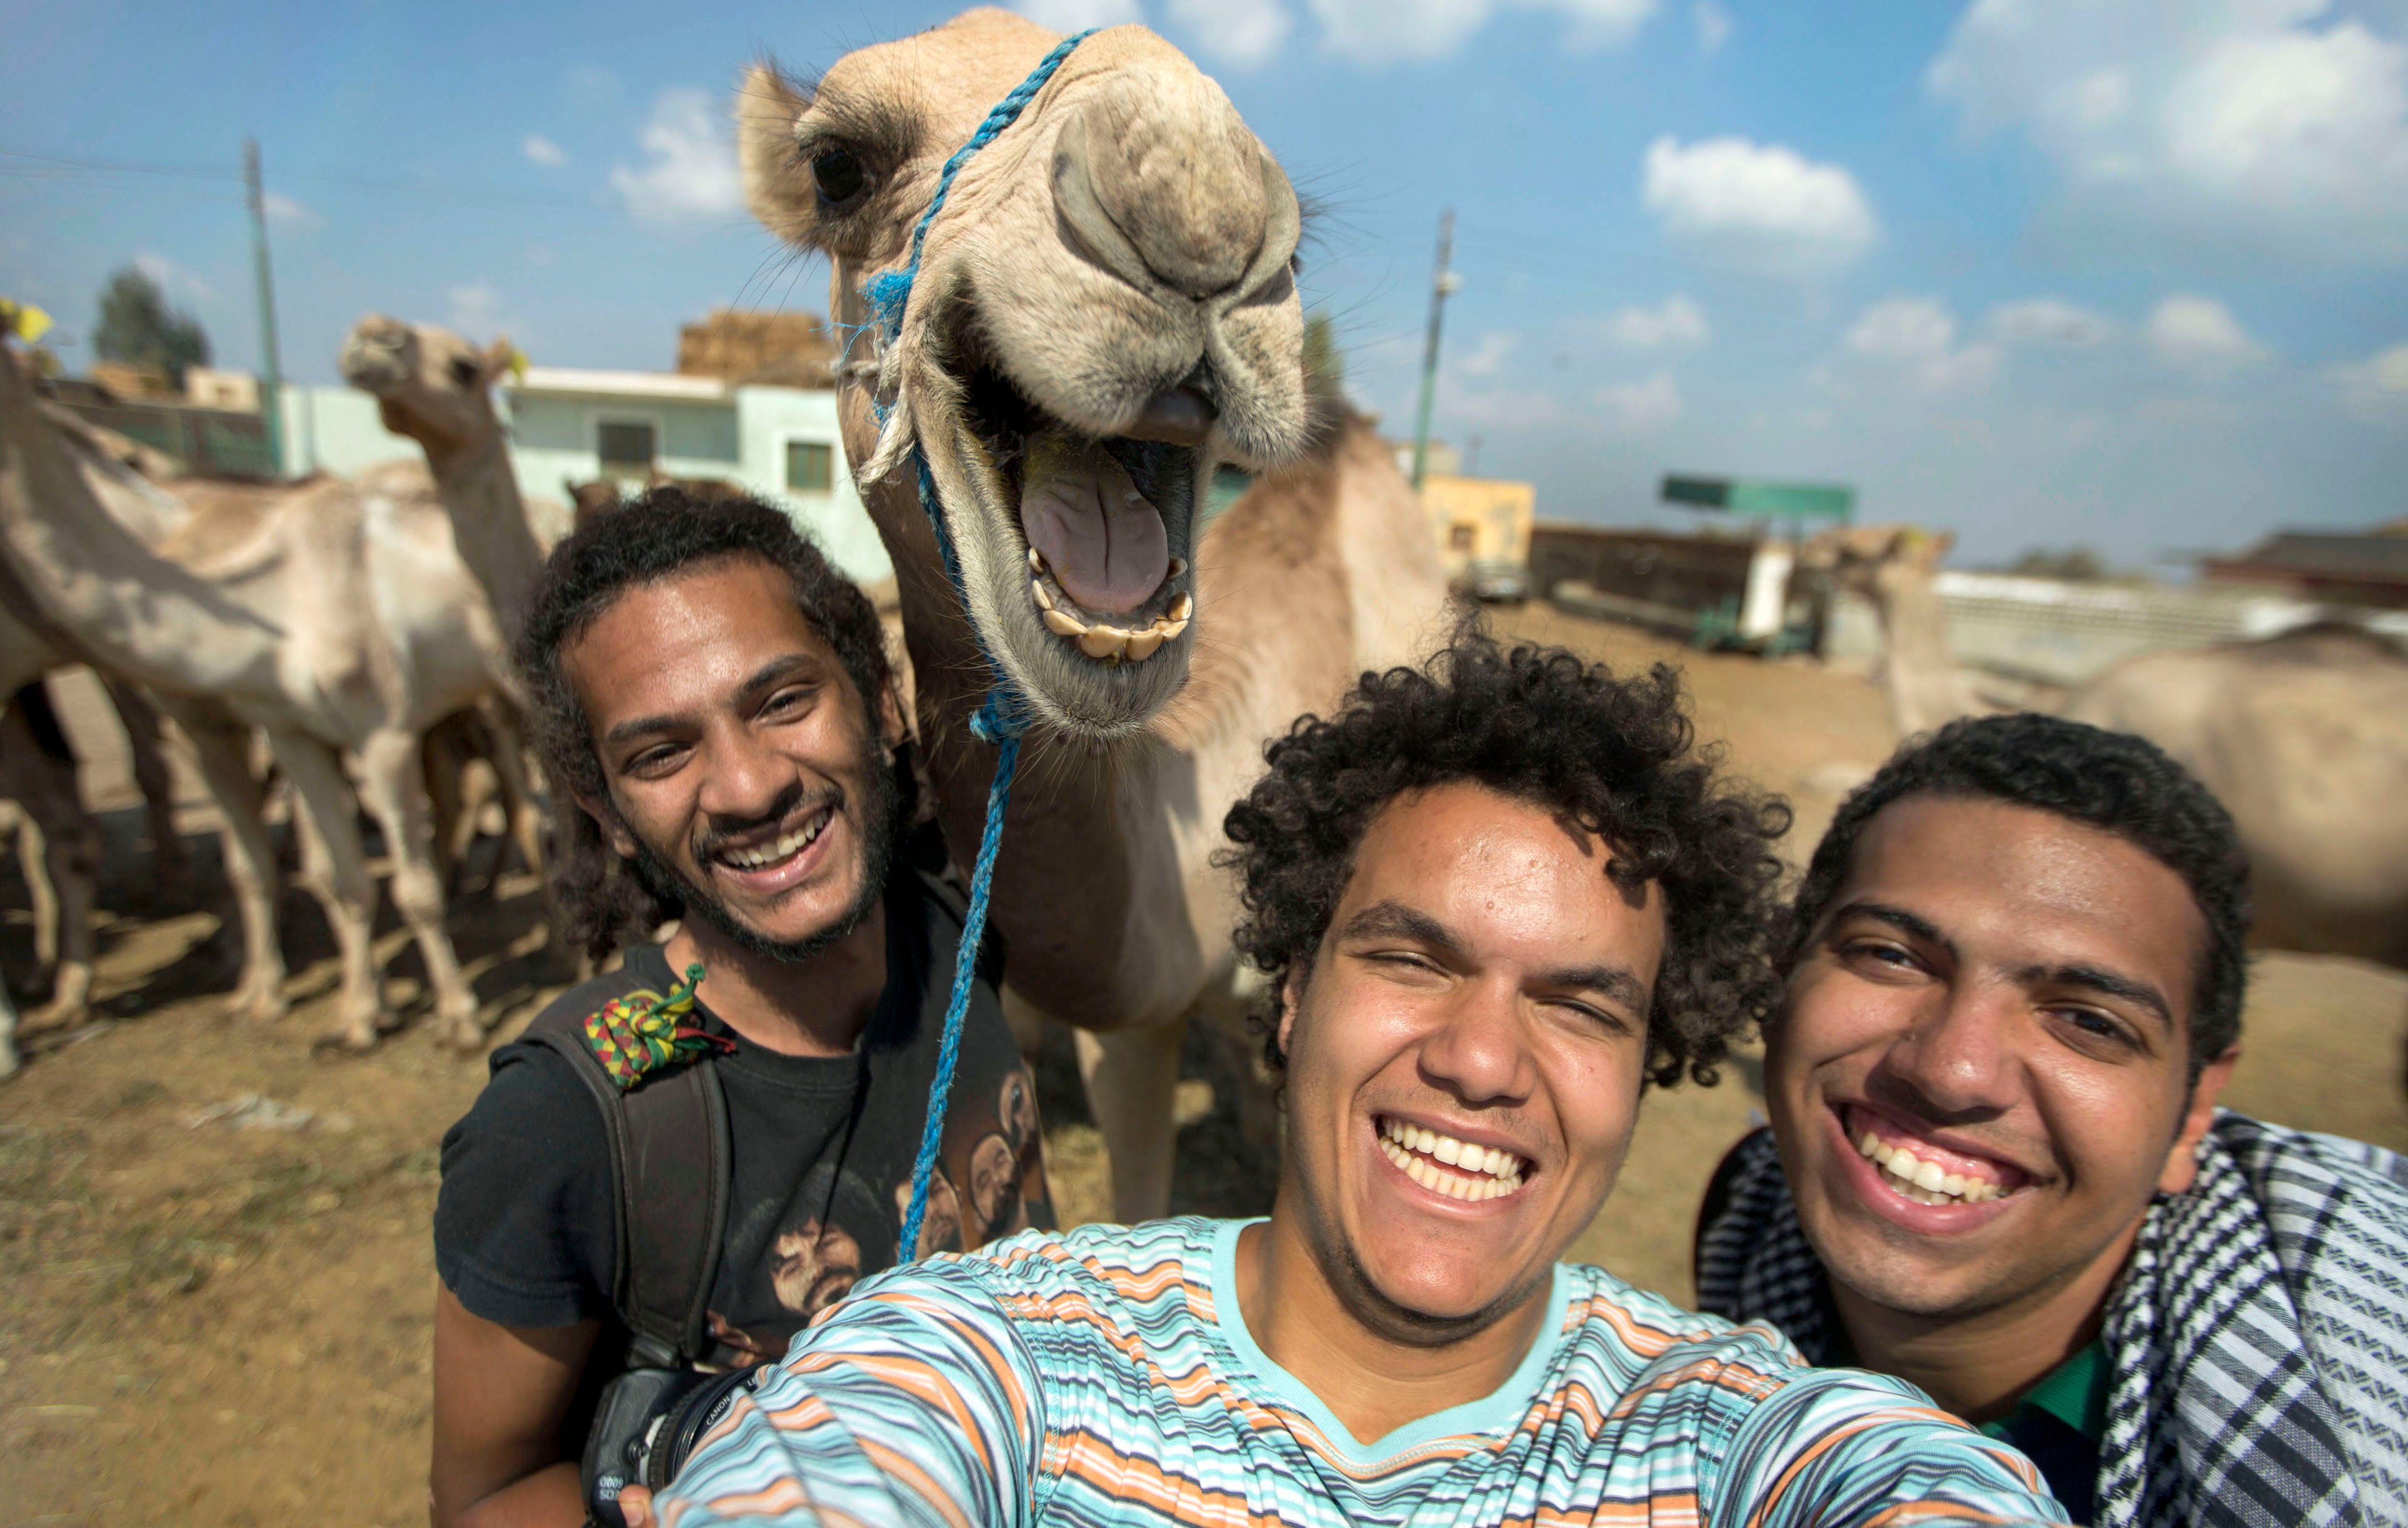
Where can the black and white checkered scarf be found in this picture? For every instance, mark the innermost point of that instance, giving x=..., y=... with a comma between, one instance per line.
x=2258, y=1336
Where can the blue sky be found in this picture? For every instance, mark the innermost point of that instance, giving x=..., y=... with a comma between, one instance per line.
x=2124, y=273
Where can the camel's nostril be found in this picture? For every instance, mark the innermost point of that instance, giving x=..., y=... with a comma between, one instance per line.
x=1165, y=189
x=1180, y=417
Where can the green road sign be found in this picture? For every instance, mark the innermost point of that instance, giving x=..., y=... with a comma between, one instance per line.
x=1747, y=495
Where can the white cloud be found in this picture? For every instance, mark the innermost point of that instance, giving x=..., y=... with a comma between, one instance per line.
x=2376, y=388
x=1387, y=31
x=2049, y=320
x=171, y=278
x=2265, y=116
x=1715, y=25
x=1761, y=207
x=1489, y=359
x=1919, y=336
x=1242, y=31
x=1903, y=329
x=540, y=150
x=1645, y=408
x=475, y=310
x=1078, y=15
x=284, y=209
x=1676, y=321
x=1600, y=23
x=2202, y=333
x=690, y=163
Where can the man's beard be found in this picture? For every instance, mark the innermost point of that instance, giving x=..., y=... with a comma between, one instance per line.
x=874, y=825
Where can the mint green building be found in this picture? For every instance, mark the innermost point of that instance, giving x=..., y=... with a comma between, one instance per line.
x=569, y=426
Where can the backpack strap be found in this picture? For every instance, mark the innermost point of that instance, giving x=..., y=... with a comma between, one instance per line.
x=670, y=1171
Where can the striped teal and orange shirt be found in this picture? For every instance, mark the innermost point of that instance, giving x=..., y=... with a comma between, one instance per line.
x=1105, y=1376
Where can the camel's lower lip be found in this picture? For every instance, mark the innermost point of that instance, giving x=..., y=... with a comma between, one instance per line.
x=999, y=426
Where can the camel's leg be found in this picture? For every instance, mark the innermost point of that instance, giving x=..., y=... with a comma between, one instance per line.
x=508, y=757
x=142, y=722
x=1028, y=1025
x=454, y=818
x=8, y=1033
x=393, y=785
x=221, y=750
x=1132, y=1079
x=38, y=773
x=335, y=867
x=33, y=859
x=1228, y=1007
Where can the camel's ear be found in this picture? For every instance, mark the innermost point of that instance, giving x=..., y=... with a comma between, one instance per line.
x=501, y=357
x=1937, y=545
x=777, y=182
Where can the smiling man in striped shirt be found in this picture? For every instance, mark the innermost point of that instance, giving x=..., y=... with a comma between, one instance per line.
x=1493, y=900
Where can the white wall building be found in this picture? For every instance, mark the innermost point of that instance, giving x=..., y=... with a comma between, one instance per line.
x=569, y=426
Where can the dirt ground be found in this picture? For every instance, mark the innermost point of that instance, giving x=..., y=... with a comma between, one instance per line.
x=215, y=1269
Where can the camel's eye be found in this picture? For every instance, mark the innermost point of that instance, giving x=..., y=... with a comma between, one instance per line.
x=465, y=373
x=839, y=175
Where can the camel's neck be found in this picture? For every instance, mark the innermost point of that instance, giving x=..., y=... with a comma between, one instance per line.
x=489, y=523
x=1924, y=689
x=1087, y=893
x=149, y=619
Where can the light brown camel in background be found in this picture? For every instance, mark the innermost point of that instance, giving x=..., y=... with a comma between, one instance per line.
x=1893, y=568
x=1106, y=308
x=2303, y=736
x=436, y=389
x=340, y=619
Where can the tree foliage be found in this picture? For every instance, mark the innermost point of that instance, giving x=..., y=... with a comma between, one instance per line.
x=138, y=329
x=2074, y=565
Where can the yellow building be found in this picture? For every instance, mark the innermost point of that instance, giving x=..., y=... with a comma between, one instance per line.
x=1483, y=520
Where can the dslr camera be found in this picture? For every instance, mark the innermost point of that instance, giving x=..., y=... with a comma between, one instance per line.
x=646, y=1425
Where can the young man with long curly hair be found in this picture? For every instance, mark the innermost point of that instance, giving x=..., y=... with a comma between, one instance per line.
x=1494, y=898
x=715, y=698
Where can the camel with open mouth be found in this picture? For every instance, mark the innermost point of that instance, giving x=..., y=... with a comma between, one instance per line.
x=1105, y=311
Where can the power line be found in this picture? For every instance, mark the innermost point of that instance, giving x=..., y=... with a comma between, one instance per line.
x=59, y=168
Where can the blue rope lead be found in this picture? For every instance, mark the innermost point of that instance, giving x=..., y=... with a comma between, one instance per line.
x=1003, y=717
x=965, y=970
x=889, y=292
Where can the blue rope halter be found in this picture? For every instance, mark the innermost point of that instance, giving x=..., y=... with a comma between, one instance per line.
x=1003, y=717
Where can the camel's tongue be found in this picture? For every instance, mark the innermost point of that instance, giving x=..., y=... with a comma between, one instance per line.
x=1083, y=513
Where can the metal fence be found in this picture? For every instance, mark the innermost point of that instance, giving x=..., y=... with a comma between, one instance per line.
x=211, y=442
x=2061, y=633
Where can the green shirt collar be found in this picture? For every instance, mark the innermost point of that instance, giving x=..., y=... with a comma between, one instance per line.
x=2075, y=1392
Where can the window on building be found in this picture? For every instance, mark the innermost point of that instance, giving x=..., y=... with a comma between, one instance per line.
x=626, y=448
x=1460, y=537
x=810, y=467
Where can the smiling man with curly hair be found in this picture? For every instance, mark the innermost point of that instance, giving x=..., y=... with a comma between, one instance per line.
x=1495, y=898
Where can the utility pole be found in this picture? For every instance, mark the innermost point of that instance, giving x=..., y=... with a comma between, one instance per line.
x=1444, y=283
x=271, y=403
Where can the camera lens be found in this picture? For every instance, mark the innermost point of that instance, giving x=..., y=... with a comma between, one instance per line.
x=668, y=1443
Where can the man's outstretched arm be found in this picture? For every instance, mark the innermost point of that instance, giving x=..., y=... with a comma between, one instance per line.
x=916, y=1402
x=1841, y=1448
